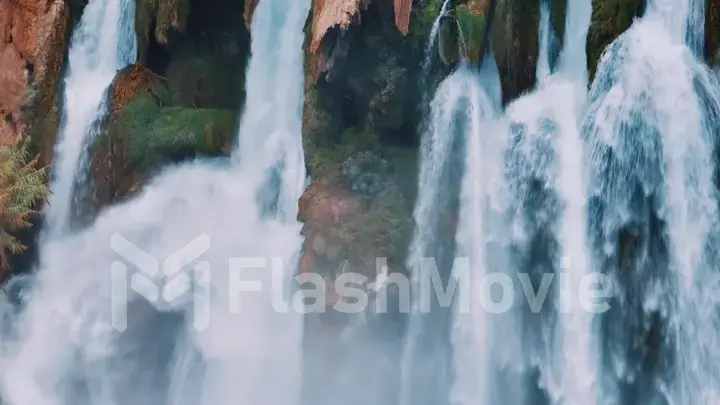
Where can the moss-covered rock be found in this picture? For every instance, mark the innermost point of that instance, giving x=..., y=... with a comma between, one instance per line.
x=157, y=135
x=610, y=18
x=160, y=18
x=449, y=42
x=200, y=77
x=515, y=29
x=471, y=18
x=131, y=81
x=146, y=131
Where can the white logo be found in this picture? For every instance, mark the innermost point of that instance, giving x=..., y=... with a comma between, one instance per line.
x=176, y=283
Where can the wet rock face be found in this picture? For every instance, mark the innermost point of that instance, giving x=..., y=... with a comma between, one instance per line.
x=712, y=32
x=33, y=42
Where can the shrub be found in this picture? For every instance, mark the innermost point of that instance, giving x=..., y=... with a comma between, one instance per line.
x=22, y=187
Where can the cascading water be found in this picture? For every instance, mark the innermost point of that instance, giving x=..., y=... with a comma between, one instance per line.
x=546, y=175
x=198, y=343
x=479, y=239
x=436, y=193
x=652, y=112
x=103, y=42
x=543, y=63
x=432, y=38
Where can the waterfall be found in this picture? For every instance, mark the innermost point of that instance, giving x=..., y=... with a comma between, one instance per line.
x=103, y=42
x=87, y=334
x=454, y=121
x=543, y=63
x=433, y=37
x=651, y=126
x=479, y=238
x=545, y=169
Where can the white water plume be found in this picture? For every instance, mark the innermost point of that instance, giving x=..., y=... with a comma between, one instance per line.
x=547, y=150
x=432, y=37
x=103, y=42
x=651, y=125
x=545, y=37
x=66, y=351
x=474, y=335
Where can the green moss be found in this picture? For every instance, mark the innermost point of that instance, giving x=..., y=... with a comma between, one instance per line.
x=326, y=162
x=160, y=134
x=166, y=15
x=425, y=17
x=472, y=28
x=380, y=231
x=610, y=18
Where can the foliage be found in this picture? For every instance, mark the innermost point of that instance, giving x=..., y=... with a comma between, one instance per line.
x=366, y=174
x=424, y=18
x=22, y=187
x=200, y=77
x=379, y=230
x=167, y=16
x=327, y=162
x=472, y=28
x=157, y=134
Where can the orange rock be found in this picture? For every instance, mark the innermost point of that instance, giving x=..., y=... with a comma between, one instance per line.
x=249, y=11
x=326, y=206
x=33, y=40
x=128, y=83
x=6, y=13
x=13, y=82
x=329, y=13
x=402, y=15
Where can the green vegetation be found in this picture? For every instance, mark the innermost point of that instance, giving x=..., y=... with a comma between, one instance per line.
x=472, y=28
x=22, y=188
x=167, y=16
x=158, y=134
x=326, y=163
x=379, y=231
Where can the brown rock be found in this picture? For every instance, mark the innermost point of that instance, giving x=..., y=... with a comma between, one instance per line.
x=325, y=206
x=33, y=42
x=13, y=82
x=249, y=11
x=128, y=83
x=5, y=20
x=329, y=13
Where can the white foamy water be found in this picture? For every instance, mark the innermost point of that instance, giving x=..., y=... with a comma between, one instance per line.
x=66, y=351
x=103, y=42
x=651, y=126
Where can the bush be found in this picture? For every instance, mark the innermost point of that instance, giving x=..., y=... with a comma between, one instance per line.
x=157, y=135
x=22, y=187
x=366, y=174
x=326, y=163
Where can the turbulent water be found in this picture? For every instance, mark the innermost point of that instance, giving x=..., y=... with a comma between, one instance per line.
x=651, y=128
x=456, y=111
x=618, y=181
x=103, y=42
x=195, y=341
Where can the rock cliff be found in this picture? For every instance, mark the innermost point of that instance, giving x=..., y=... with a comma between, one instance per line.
x=33, y=43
